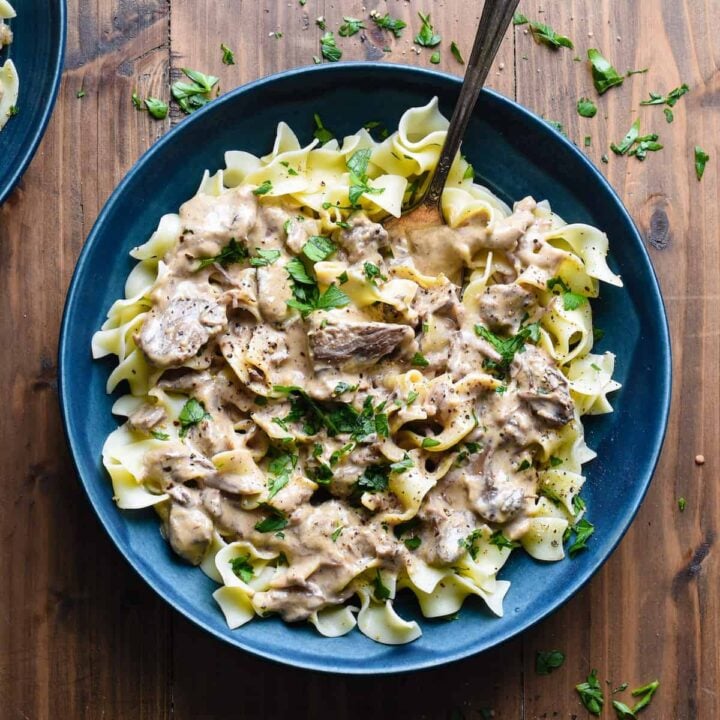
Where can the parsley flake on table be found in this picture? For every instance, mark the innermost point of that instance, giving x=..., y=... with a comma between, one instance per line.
x=627, y=142
x=350, y=27
x=701, y=158
x=586, y=107
x=548, y=660
x=645, y=694
x=156, y=108
x=591, y=694
x=80, y=93
x=427, y=37
x=455, y=50
x=394, y=25
x=435, y=58
x=604, y=75
x=670, y=99
x=228, y=56
x=519, y=19
x=545, y=35
x=195, y=94
x=329, y=49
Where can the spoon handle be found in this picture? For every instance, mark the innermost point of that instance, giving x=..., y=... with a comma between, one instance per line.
x=496, y=16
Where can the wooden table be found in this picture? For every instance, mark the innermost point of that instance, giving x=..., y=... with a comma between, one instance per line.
x=82, y=637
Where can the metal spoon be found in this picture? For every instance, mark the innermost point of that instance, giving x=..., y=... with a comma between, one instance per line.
x=496, y=17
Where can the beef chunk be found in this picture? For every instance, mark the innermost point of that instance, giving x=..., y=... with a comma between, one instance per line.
x=146, y=417
x=362, y=238
x=542, y=386
x=189, y=531
x=503, y=307
x=173, y=335
x=360, y=342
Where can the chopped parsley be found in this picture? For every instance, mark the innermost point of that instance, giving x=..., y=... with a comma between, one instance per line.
x=159, y=435
x=586, y=107
x=507, y=347
x=381, y=591
x=701, y=158
x=519, y=19
x=274, y=521
x=192, y=413
x=455, y=50
x=524, y=465
x=435, y=58
x=394, y=25
x=357, y=166
x=80, y=93
x=622, y=711
x=429, y=442
x=427, y=37
x=412, y=397
x=670, y=99
x=321, y=133
x=468, y=543
x=499, y=540
x=264, y=188
x=682, y=504
x=318, y=248
x=555, y=461
x=228, y=56
x=306, y=294
x=136, y=101
x=591, y=694
x=336, y=533
x=233, y=252
x=371, y=272
x=547, y=36
x=587, y=141
x=265, y=258
x=419, y=360
x=373, y=479
x=571, y=300
x=548, y=660
x=195, y=94
x=645, y=694
x=280, y=468
x=242, y=568
x=669, y=117
x=412, y=543
x=645, y=144
x=156, y=108
x=583, y=530
x=401, y=465
x=627, y=142
x=329, y=49
x=350, y=27
x=604, y=75
x=343, y=387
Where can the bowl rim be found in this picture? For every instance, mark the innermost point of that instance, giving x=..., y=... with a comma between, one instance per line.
x=15, y=175
x=537, y=124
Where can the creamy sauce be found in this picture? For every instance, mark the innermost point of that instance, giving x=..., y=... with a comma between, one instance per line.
x=224, y=335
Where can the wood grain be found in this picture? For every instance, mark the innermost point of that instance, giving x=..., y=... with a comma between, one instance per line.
x=82, y=637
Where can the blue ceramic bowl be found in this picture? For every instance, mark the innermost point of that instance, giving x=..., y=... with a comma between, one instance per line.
x=37, y=51
x=515, y=153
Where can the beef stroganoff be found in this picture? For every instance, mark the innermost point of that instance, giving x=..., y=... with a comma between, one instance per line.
x=325, y=410
x=9, y=81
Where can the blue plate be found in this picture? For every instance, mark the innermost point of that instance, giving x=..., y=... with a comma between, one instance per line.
x=515, y=153
x=37, y=51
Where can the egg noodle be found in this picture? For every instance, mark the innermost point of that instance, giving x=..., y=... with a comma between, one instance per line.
x=325, y=410
x=9, y=81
